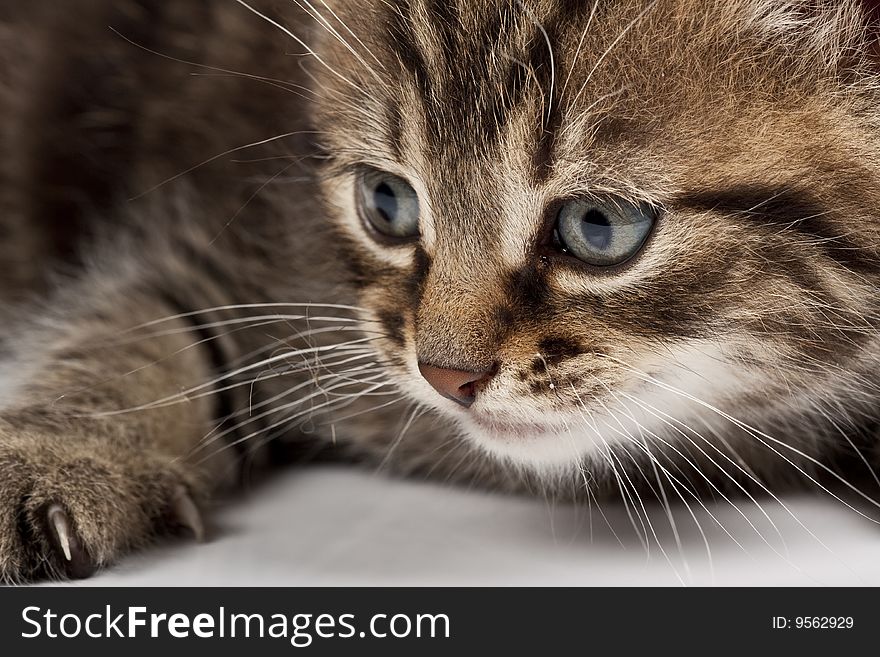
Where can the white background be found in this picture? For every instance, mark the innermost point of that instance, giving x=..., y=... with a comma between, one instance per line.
x=342, y=526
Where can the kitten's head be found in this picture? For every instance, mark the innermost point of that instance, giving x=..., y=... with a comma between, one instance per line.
x=578, y=224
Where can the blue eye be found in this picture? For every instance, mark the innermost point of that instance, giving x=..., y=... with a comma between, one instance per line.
x=604, y=233
x=389, y=204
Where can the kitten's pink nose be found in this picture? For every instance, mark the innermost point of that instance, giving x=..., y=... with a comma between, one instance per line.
x=458, y=385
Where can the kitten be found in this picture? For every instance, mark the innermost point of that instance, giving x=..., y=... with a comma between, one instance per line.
x=578, y=248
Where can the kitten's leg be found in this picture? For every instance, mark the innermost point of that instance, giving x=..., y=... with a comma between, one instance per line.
x=79, y=485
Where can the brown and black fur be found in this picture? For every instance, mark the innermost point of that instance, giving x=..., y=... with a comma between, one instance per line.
x=198, y=157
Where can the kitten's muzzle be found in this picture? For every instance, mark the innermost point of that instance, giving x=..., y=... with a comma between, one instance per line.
x=458, y=385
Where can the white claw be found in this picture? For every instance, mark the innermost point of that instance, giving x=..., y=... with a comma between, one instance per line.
x=58, y=518
x=188, y=514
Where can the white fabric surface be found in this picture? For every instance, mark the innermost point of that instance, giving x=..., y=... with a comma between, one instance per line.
x=341, y=526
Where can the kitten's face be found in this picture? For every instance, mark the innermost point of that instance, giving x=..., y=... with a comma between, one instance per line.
x=618, y=217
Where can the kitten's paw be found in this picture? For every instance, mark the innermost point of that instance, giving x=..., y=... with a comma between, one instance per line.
x=67, y=517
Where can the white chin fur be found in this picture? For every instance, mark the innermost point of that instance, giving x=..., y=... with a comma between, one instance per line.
x=557, y=447
x=539, y=452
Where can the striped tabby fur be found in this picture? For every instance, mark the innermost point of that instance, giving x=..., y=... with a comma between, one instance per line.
x=200, y=290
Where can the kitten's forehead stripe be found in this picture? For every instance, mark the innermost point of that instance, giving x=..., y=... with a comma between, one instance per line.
x=545, y=149
x=402, y=31
x=482, y=82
